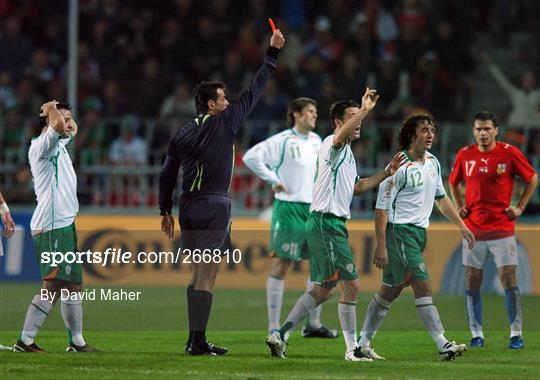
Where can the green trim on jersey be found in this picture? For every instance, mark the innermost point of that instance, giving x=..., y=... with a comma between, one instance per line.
x=282, y=156
x=335, y=171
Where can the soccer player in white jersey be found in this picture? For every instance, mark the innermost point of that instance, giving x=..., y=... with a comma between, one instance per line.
x=9, y=230
x=53, y=228
x=287, y=162
x=331, y=258
x=404, y=205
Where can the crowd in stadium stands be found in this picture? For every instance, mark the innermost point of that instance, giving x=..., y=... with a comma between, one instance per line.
x=139, y=60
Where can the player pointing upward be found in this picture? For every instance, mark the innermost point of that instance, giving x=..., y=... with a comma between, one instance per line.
x=287, y=161
x=331, y=258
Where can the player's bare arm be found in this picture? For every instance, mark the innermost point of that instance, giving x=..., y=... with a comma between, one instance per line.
x=447, y=209
x=381, y=253
x=514, y=212
x=369, y=100
x=54, y=117
x=7, y=220
x=371, y=182
x=458, y=200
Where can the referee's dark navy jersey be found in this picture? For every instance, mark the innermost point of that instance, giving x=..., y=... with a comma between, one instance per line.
x=204, y=146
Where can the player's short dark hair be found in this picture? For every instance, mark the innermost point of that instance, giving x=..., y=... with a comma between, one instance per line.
x=407, y=131
x=484, y=116
x=297, y=105
x=43, y=119
x=337, y=109
x=204, y=92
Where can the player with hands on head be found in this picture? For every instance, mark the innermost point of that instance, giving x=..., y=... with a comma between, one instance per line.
x=53, y=228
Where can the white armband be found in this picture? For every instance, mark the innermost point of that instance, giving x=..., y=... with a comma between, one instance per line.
x=4, y=209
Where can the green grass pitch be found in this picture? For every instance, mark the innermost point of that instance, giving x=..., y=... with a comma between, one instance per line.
x=145, y=340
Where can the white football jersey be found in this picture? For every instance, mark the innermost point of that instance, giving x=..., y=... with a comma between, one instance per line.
x=410, y=193
x=288, y=158
x=334, y=180
x=55, y=183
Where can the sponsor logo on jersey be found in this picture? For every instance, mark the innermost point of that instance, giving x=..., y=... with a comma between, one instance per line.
x=484, y=160
x=422, y=267
x=483, y=169
x=68, y=269
x=285, y=247
x=501, y=168
x=349, y=268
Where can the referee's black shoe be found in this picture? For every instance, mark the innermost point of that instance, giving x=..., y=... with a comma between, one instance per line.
x=206, y=348
x=321, y=332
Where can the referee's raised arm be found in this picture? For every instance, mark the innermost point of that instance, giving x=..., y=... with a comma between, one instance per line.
x=235, y=115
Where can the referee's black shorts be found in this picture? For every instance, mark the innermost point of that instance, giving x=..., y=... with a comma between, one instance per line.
x=205, y=222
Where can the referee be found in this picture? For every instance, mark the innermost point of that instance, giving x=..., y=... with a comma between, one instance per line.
x=204, y=148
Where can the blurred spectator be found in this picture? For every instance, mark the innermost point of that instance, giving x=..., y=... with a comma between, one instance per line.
x=148, y=91
x=128, y=149
x=410, y=47
x=393, y=85
x=525, y=98
x=323, y=45
x=16, y=49
x=178, y=107
x=352, y=77
x=434, y=87
x=114, y=102
x=381, y=22
x=361, y=42
x=40, y=70
x=28, y=99
x=272, y=106
x=234, y=74
x=7, y=91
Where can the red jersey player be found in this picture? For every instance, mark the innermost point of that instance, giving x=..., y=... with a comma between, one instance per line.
x=488, y=168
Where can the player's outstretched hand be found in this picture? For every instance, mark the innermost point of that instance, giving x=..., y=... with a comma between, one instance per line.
x=469, y=236
x=45, y=107
x=167, y=225
x=463, y=212
x=513, y=212
x=277, y=40
x=369, y=100
x=398, y=161
x=9, y=225
x=381, y=257
x=279, y=188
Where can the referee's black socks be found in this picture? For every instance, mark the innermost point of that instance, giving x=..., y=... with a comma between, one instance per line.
x=200, y=306
x=189, y=295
